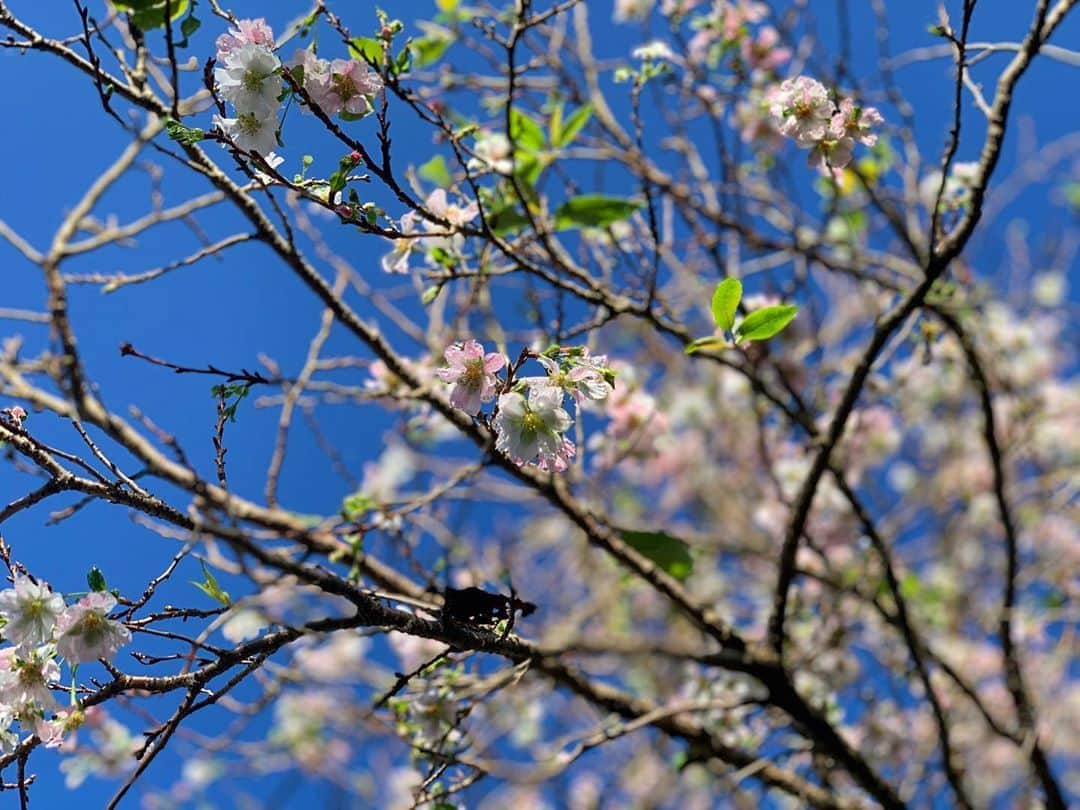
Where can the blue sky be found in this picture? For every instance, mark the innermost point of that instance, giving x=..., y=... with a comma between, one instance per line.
x=228, y=311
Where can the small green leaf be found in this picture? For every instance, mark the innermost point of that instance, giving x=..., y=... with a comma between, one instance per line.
x=525, y=132
x=150, y=14
x=436, y=171
x=366, y=48
x=429, y=50
x=725, y=301
x=188, y=26
x=1072, y=195
x=403, y=61
x=670, y=553
x=430, y=294
x=593, y=211
x=95, y=580
x=909, y=585
x=211, y=587
x=356, y=505
x=765, y=323
x=572, y=126
x=528, y=170
x=181, y=134
x=708, y=342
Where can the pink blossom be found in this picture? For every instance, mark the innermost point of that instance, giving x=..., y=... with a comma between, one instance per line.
x=51, y=732
x=762, y=53
x=580, y=376
x=472, y=373
x=247, y=32
x=25, y=679
x=855, y=122
x=344, y=85
x=85, y=633
x=803, y=108
x=532, y=429
x=829, y=154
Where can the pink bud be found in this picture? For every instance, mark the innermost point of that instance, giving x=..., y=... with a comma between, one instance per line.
x=354, y=156
x=345, y=211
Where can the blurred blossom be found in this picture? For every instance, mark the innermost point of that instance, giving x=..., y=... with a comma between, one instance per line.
x=764, y=51
x=957, y=191
x=626, y=10
x=412, y=651
x=340, y=657
x=1049, y=289
x=657, y=51
x=243, y=623
x=384, y=477
x=109, y=753
x=492, y=150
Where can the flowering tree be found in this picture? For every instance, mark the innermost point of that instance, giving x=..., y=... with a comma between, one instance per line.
x=701, y=464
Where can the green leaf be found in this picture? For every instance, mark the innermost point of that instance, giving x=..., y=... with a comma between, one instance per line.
x=356, y=505
x=593, y=211
x=506, y=219
x=725, y=301
x=436, y=171
x=150, y=14
x=188, y=26
x=428, y=50
x=670, y=553
x=1072, y=195
x=766, y=322
x=909, y=585
x=95, y=580
x=528, y=170
x=211, y=587
x=572, y=126
x=430, y=294
x=403, y=61
x=708, y=342
x=181, y=134
x=525, y=132
x=366, y=48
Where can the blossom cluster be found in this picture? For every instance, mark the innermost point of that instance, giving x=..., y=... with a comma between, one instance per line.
x=805, y=112
x=530, y=421
x=249, y=77
x=41, y=627
x=343, y=87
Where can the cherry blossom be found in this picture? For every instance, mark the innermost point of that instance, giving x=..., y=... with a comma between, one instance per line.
x=247, y=32
x=528, y=428
x=472, y=373
x=254, y=131
x=492, y=151
x=583, y=379
x=30, y=611
x=803, y=107
x=249, y=78
x=85, y=633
